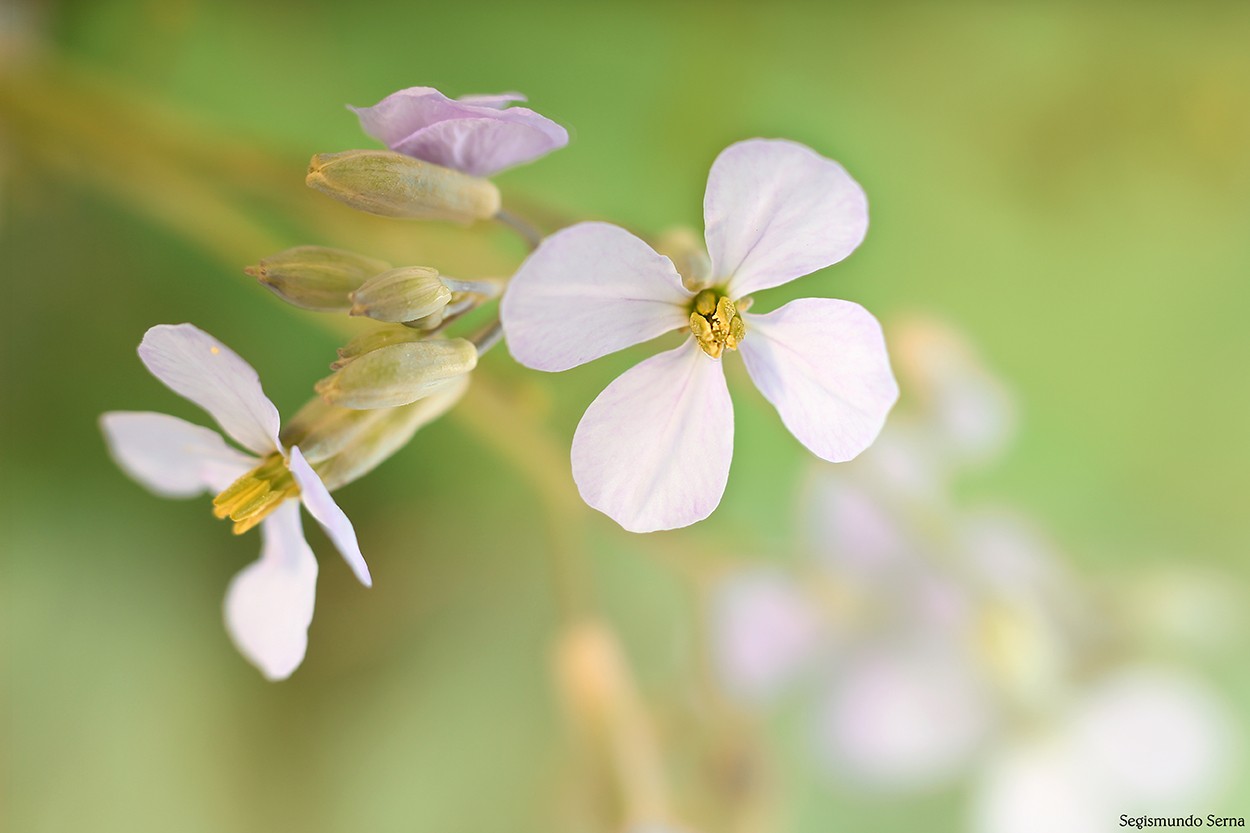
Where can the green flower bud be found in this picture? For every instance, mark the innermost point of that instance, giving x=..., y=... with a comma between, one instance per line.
x=393, y=185
x=398, y=373
x=401, y=295
x=374, y=339
x=322, y=430
x=315, y=277
x=387, y=433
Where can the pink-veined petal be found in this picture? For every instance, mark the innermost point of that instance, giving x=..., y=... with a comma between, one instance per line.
x=479, y=135
x=823, y=365
x=322, y=507
x=587, y=291
x=200, y=368
x=776, y=210
x=653, y=450
x=269, y=603
x=170, y=456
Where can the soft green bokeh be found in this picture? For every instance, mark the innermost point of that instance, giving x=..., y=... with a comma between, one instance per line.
x=1069, y=183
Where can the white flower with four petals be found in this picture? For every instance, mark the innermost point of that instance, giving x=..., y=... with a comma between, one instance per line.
x=269, y=604
x=653, y=450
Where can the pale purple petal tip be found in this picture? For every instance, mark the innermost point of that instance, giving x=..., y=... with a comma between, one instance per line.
x=479, y=135
x=587, y=291
x=200, y=368
x=322, y=507
x=776, y=210
x=653, y=450
x=269, y=604
x=823, y=365
x=169, y=456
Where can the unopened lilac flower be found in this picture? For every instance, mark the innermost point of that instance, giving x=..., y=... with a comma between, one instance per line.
x=653, y=450
x=269, y=604
x=479, y=135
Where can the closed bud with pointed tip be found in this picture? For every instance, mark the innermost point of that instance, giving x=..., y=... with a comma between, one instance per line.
x=398, y=373
x=316, y=278
x=393, y=185
x=400, y=295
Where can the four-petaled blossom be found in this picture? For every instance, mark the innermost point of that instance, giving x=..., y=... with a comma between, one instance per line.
x=476, y=134
x=269, y=604
x=653, y=450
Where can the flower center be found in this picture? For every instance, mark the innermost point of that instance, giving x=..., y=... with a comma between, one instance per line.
x=250, y=499
x=715, y=322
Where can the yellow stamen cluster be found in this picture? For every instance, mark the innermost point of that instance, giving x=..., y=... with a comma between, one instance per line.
x=251, y=498
x=715, y=323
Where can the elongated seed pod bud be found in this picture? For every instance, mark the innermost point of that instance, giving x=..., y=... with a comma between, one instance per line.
x=398, y=374
x=388, y=433
x=316, y=277
x=394, y=185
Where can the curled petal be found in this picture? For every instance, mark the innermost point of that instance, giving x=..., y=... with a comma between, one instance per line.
x=587, y=291
x=198, y=367
x=170, y=456
x=269, y=604
x=776, y=210
x=322, y=507
x=653, y=450
x=479, y=135
x=823, y=365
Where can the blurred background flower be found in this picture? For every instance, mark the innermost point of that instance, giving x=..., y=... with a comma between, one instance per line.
x=1047, y=550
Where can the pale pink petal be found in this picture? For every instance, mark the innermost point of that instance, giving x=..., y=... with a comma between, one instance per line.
x=479, y=135
x=652, y=451
x=587, y=291
x=269, y=603
x=823, y=365
x=200, y=368
x=776, y=210
x=322, y=507
x=170, y=456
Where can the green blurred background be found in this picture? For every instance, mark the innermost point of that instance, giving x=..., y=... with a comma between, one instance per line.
x=1068, y=183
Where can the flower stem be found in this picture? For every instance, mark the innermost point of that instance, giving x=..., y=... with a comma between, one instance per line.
x=530, y=232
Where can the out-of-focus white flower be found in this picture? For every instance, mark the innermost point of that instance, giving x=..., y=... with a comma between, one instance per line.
x=1144, y=740
x=905, y=717
x=653, y=450
x=269, y=604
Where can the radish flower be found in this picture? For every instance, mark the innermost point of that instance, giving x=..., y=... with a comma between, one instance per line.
x=479, y=135
x=269, y=604
x=653, y=450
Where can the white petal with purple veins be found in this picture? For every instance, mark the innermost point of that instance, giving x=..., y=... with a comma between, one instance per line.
x=200, y=368
x=823, y=365
x=269, y=604
x=587, y=291
x=321, y=506
x=170, y=456
x=776, y=210
x=653, y=450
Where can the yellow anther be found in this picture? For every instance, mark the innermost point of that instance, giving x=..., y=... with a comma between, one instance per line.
x=253, y=497
x=715, y=322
